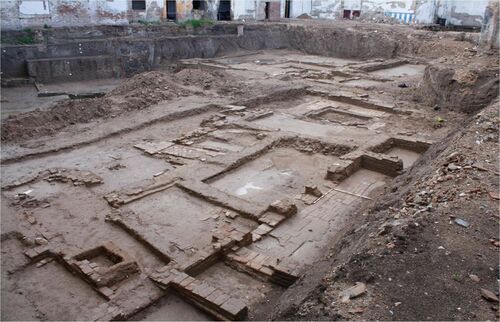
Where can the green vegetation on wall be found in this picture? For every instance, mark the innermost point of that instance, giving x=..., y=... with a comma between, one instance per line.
x=196, y=23
x=27, y=39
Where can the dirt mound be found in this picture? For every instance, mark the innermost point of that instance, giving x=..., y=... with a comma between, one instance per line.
x=137, y=92
x=40, y=123
x=147, y=88
x=465, y=89
x=378, y=17
x=304, y=16
x=220, y=81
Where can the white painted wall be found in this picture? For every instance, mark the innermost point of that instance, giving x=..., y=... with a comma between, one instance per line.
x=299, y=7
x=426, y=11
x=474, y=7
x=116, y=5
x=117, y=8
x=17, y=14
x=352, y=4
x=456, y=11
x=244, y=9
x=34, y=7
x=404, y=6
x=331, y=9
x=327, y=9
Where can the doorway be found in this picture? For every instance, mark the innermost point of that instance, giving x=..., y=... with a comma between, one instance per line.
x=171, y=9
x=288, y=4
x=224, y=12
x=198, y=4
x=266, y=10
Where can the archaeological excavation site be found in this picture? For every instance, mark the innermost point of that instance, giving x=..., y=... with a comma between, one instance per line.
x=188, y=160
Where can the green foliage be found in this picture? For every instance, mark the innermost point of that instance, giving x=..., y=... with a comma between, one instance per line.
x=196, y=23
x=147, y=22
x=27, y=39
x=439, y=119
x=457, y=277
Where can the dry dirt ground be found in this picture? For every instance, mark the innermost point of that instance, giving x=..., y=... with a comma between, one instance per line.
x=261, y=185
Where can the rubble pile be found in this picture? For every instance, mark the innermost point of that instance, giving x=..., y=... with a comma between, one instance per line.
x=135, y=93
x=378, y=17
x=77, y=177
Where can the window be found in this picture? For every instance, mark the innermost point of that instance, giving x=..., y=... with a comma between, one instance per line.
x=138, y=4
x=198, y=5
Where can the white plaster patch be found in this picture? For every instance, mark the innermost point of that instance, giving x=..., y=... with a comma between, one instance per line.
x=117, y=5
x=34, y=7
x=244, y=190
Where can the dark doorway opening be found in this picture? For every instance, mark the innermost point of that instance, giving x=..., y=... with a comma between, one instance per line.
x=347, y=14
x=224, y=12
x=171, y=9
x=138, y=4
x=441, y=21
x=198, y=4
x=356, y=13
x=287, y=8
x=266, y=9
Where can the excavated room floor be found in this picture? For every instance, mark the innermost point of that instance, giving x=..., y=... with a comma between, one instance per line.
x=205, y=214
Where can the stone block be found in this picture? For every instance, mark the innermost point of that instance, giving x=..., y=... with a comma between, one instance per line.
x=206, y=291
x=194, y=284
x=266, y=271
x=214, y=295
x=265, y=228
x=235, y=307
x=30, y=253
x=187, y=281
x=284, y=207
x=221, y=299
x=254, y=265
x=341, y=170
x=260, y=259
x=106, y=291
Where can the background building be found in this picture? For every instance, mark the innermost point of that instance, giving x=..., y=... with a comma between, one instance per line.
x=18, y=14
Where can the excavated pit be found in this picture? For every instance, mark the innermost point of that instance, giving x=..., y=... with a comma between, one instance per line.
x=210, y=202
